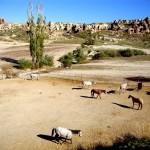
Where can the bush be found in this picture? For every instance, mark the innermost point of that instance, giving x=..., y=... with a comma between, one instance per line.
x=47, y=61
x=66, y=60
x=99, y=55
x=138, y=52
x=89, y=41
x=117, y=53
x=24, y=64
x=80, y=55
x=126, y=53
x=111, y=53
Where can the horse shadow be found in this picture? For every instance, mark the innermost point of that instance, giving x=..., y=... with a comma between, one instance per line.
x=51, y=138
x=111, y=92
x=147, y=92
x=78, y=88
x=124, y=106
x=130, y=89
x=86, y=96
x=6, y=59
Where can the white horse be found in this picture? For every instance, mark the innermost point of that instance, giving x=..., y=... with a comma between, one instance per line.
x=122, y=87
x=34, y=76
x=3, y=76
x=87, y=83
x=65, y=133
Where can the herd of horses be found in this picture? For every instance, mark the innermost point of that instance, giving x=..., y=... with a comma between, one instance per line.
x=121, y=89
x=60, y=132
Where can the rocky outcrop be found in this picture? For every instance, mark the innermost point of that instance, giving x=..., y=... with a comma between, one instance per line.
x=2, y=20
x=132, y=26
x=128, y=26
x=75, y=27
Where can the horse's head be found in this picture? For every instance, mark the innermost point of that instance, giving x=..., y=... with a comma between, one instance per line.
x=105, y=91
x=80, y=133
x=93, y=82
x=129, y=96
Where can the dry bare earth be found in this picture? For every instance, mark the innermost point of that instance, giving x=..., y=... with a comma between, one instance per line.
x=12, y=51
x=30, y=109
x=16, y=50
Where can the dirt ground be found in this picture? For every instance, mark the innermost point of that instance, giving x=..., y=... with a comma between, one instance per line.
x=30, y=109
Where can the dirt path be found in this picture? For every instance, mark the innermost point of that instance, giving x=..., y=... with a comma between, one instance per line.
x=30, y=109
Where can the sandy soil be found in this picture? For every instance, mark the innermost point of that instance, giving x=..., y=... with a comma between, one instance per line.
x=30, y=109
x=16, y=50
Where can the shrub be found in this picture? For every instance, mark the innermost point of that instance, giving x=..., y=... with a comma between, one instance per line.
x=138, y=52
x=67, y=63
x=111, y=53
x=24, y=64
x=89, y=41
x=47, y=61
x=99, y=55
x=126, y=53
x=66, y=60
x=117, y=53
x=80, y=55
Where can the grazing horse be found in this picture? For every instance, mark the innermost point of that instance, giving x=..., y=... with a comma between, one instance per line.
x=66, y=133
x=87, y=83
x=122, y=87
x=98, y=92
x=34, y=76
x=136, y=100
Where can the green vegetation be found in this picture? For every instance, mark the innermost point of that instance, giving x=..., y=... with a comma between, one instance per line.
x=27, y=64
x=37, y=36
x=87, y=36
x=66, y=60
x=117, y=53
x=24, y=64
x=126, y=142
x=79, y=56
x=46, y=61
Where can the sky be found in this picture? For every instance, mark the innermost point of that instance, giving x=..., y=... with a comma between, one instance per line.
x=76, y=11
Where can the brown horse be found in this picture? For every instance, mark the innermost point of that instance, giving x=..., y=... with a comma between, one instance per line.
x=98, y=92
x=139, y=101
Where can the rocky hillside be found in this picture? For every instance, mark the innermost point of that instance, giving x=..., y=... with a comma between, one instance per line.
x=139, y=26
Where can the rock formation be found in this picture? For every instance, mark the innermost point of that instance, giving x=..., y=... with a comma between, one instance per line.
x=128, y=26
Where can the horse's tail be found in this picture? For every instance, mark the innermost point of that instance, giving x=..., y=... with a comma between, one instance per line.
x=53, y=130
x=141, y=102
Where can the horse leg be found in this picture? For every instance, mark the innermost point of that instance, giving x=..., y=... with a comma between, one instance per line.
x=139, y=106
x=71, y=141
x=97, y=95
x=100, y=96
x=57, y=138
x=133, y=104
x=93, y=95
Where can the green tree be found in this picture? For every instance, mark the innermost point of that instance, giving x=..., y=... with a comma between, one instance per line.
x=37, y=36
